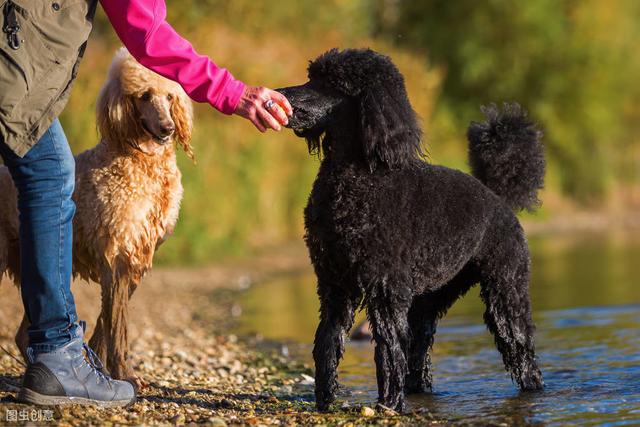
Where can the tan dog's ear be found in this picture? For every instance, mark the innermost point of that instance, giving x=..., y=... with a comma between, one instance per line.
x=115, y=116
x=182, y=114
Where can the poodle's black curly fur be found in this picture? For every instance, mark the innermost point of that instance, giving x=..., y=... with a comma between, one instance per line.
x=404, y=238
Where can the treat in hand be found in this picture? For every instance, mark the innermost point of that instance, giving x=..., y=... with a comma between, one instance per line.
x=278, y=112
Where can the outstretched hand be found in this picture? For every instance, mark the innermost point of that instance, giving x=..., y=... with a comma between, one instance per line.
x=254, y=107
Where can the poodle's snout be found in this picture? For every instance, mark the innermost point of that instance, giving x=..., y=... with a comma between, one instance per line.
x=294, y=99
x=167, y=129
x=311, y=105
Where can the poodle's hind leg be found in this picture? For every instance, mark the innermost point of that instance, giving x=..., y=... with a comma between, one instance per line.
x=424, y=314
x=423, y=319
x=388, y=314
x=505, y=292
x=337, y=309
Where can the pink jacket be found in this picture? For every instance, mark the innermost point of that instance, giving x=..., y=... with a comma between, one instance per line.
x=143, y=29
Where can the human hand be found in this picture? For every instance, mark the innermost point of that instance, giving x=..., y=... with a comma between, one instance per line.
x=254, y=106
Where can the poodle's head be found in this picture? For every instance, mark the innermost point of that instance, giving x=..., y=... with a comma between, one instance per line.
x=139, y=110
x=355, y=105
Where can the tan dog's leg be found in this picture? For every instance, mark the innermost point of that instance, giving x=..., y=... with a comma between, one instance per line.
x=98, y=342
x=22, y=337
x=114, y=316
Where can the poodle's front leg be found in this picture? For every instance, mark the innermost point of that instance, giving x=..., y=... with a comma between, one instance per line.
x=425, y=311
x=388, y=317
x=337, y=310
x=113, y=324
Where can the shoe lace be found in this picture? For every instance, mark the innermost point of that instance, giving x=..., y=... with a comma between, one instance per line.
x=94, y=362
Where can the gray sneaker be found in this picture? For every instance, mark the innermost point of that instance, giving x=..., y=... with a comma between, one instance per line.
x=72, y=374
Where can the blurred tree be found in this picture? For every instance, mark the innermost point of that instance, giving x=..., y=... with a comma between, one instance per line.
x=573, y=64
x=248, y=189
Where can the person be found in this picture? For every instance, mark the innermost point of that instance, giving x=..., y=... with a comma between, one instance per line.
x=41, y=46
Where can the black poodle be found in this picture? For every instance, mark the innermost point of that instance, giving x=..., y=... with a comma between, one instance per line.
x=403, y=238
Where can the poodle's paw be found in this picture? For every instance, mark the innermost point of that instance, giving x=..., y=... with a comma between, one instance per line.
x=416, y=385
x=324, y=401
x=138, y=382
x=531, y=381
x=322, y=406
x=396, y=403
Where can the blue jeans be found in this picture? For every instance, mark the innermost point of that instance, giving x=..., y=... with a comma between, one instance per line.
x=45, y=178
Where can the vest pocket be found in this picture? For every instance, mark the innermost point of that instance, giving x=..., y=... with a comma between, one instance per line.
x=13, y=83
x=24, y=68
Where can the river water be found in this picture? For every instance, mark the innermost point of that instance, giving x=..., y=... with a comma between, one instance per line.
x=585, y=291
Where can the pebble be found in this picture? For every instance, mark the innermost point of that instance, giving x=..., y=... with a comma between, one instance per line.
x=307, y=380
x=365, y=411
x=217, y=422
x=386, y=411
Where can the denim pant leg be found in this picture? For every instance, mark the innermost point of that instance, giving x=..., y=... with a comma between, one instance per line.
x=45, y=178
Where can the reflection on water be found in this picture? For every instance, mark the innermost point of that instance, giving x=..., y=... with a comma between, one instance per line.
x=586, y=296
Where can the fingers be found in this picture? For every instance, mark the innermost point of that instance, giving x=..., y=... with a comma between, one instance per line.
x=282, y=101
x=278, y=112
x=257, y=122
x=252, y=107
x=268, y=119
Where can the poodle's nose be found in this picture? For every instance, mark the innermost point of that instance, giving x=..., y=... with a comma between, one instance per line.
x=167, y=129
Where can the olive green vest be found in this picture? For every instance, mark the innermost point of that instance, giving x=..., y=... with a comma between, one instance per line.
x=41, y=44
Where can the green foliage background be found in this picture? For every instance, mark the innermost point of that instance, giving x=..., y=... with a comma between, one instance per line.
x=573, y=64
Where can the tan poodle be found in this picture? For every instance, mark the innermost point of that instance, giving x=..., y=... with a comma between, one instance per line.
x=128, y=194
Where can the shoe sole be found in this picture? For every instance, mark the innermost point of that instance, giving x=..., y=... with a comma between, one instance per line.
x=29, y=396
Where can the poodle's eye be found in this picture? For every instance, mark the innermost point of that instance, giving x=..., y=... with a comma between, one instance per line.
x=146, y=96
x=170, y=97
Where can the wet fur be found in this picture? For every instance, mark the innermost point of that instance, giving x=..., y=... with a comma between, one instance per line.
x=127, y=204
x=403, y=238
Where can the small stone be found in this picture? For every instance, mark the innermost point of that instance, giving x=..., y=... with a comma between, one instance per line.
x=365, y=411
x=217, y=422
x=178, y=420
x=386, y=411
x=307, y=379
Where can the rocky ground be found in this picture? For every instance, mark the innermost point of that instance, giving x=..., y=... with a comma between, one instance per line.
x=196, y=371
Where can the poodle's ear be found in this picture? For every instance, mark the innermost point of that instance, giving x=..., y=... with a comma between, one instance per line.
x=388, y=127
x=182, y=114
x=115, y=116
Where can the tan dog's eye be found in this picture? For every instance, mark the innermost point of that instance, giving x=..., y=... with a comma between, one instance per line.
x=146, y=96
x=170, y=97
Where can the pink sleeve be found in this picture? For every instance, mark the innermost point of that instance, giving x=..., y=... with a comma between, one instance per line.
x=143, y=29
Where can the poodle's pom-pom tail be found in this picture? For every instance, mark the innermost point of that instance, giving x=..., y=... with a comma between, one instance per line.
x=507, y=155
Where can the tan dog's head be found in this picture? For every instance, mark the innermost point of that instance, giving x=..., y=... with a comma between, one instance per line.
x=139, y=109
